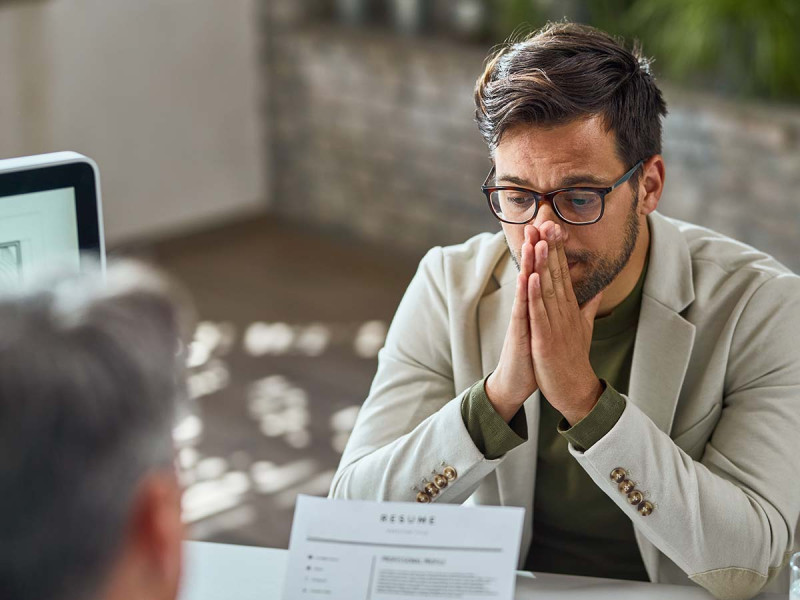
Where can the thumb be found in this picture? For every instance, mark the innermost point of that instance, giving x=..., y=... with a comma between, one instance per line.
x=589, y=309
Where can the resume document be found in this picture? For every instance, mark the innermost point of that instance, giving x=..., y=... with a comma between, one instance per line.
x=353, y=550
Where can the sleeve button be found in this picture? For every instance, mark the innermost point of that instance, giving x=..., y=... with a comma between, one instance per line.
x=645, y=508
x=431, y=490
x=440, y=481
x=635, y=497
x=618, y=475
x=423, y=498
x=450, y=473
x=626, y=487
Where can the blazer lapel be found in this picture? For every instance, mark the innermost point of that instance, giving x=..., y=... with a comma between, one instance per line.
x=661, y=353
x=664, y=339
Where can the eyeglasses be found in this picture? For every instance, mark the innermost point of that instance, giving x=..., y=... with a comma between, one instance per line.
x=574, y=205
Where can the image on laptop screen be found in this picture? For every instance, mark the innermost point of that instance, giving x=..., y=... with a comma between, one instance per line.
x=37, y=229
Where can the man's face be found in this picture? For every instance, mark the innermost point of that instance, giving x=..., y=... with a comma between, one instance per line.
x=578, y=154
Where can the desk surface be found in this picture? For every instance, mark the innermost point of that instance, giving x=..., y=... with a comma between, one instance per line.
x=223, y=572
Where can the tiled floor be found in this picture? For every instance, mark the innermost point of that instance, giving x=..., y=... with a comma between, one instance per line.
x=290, y=321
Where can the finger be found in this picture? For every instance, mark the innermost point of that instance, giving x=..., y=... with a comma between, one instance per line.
x=589, y=310
x=526, y=233
x=518, y=334
x=553, y=263
x=519, y=312
x=569, y=293
x=547, y=292
x=533, y=234
x=530, y=236
x=526, y=262
x=540, y=323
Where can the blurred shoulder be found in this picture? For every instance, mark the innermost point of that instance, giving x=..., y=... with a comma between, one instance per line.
x=471, y=265
x=715, y=254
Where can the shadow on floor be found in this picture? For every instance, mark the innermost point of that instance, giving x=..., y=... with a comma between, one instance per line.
x=289, y=325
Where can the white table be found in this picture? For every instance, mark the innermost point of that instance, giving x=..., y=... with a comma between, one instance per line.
x=223, y=572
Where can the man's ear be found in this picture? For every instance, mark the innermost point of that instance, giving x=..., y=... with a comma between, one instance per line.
x=651, y=184
x=156, y=532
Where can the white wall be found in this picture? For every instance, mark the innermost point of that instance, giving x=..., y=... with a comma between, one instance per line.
x=164, y=94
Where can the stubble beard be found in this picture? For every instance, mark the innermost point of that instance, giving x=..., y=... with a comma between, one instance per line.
x=600, y=270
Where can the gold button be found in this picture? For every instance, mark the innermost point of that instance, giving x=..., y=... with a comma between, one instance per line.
x=450, y=473
x=635, y=497
x=645, y=508
x=626, y=487
x=423, y=497
x=431, y=490
x=618, y=475
x=440, y=481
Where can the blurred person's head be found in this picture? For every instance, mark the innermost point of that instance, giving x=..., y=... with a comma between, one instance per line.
x=570, y=106
x=89, y=498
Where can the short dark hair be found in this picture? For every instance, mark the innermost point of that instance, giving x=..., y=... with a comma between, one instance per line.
x=89, y=379
x=566, y=71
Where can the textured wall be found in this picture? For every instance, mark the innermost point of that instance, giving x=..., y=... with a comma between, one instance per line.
x=374, y=134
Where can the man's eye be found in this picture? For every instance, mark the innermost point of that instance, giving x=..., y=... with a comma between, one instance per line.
x=578, y=200
x=520, y=199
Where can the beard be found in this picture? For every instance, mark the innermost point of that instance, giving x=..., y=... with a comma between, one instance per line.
x=600, y=270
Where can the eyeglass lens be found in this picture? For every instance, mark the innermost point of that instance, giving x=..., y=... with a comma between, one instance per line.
x=576, y=206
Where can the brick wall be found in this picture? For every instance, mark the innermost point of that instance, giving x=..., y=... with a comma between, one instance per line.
x=373, y=135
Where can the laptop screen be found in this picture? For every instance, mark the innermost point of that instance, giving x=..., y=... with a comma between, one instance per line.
x=49, y=216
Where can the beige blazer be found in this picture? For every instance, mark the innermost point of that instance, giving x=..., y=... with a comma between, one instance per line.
x=711, y=428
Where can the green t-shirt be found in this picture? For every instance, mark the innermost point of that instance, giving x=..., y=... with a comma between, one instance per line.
x=577, y=528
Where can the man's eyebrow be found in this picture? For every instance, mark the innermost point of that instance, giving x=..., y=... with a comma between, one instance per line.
x=569, y=181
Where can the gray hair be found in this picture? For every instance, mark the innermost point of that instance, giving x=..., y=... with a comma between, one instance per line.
x=89, y=379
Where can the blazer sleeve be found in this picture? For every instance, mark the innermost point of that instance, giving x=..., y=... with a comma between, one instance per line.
x=410, y=427
x=727, y=520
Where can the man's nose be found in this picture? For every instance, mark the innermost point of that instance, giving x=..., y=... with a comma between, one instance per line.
x=546, y=213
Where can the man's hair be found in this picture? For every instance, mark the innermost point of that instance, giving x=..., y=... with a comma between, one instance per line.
x=567, y=71
x=89, y=379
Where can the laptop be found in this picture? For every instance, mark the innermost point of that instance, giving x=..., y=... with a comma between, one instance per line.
x=50, y=215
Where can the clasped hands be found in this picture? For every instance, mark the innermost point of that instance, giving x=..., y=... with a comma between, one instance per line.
x=547, y=343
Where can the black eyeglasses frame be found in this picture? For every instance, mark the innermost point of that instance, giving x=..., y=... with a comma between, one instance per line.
x=488, y=190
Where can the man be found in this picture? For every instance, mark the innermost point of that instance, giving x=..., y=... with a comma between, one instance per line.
x=630, y=380
x=89, y=499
